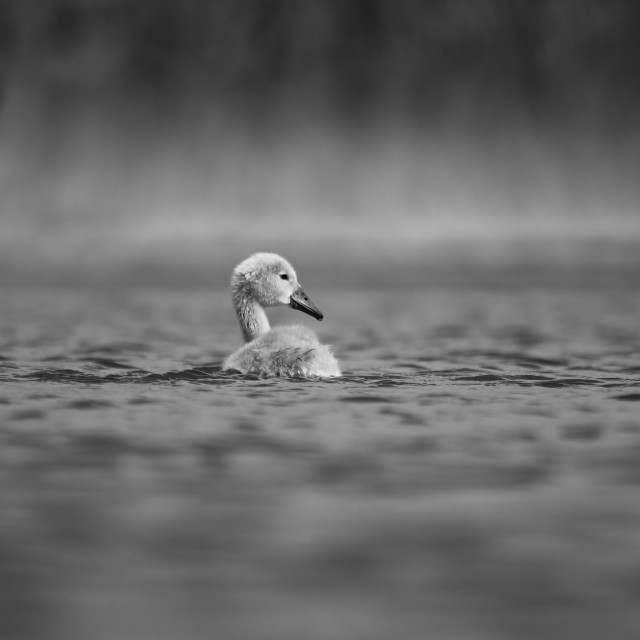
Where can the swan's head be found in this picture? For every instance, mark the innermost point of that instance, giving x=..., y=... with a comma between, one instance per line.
x=270, y=280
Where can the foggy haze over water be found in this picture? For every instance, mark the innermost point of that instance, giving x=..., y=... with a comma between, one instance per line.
x=130, y=127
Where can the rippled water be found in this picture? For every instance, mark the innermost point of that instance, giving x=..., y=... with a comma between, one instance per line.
x=474, y=474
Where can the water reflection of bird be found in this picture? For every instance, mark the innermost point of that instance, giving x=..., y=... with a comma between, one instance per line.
x=267, y=280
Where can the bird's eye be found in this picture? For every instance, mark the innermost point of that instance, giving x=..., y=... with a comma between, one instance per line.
x=284, y=276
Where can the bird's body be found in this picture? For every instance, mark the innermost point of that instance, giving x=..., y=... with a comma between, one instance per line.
x=292, y=350
x=266, y=280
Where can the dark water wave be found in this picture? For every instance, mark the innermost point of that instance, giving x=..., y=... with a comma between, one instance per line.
x=412, y=375
x=211, y=375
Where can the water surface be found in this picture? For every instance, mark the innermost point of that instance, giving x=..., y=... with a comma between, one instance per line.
x=474, y=474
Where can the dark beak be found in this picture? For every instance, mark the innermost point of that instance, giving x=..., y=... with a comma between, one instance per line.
x=301, y=302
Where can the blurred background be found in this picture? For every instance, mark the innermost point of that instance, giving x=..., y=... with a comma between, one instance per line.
x=161, y=141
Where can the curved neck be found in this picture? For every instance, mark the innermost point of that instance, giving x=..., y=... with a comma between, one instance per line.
x=251, y=315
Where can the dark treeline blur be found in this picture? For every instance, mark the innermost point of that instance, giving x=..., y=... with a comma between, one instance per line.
x=127, y=126
x=344, y=61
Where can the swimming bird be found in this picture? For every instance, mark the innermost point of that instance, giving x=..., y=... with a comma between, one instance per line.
x=268, y=280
